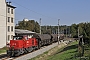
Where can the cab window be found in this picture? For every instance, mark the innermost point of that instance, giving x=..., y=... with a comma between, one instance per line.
x=17, y=38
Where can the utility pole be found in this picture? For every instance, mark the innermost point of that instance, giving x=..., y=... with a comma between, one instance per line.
x=46, y=27
x=69, y=31
x=58, y=30
x=66, y=31
x=40, y=25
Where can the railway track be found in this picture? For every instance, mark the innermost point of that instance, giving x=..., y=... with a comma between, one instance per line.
x=5, y=57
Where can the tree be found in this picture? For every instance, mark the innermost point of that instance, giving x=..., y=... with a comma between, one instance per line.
x=84, y=29
x=74, y=31
x=30, y=25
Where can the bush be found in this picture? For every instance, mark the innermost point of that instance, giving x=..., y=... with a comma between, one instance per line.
x=86, y=40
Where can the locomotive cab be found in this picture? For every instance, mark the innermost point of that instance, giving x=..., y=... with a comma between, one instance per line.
x=16, y=45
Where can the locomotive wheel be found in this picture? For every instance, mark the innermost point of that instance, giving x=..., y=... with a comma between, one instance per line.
x=12, y=53
x=30, y=49
x=9, y=53
x=21, y=51
x=18, y=53
x=36, y=47
x=25, y=50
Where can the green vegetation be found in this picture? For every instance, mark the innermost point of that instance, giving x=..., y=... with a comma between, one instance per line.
x=3, y=50
x=59, y=53
x=69, y=52
x=84, y=29
x=29, y=25
x=86, y=52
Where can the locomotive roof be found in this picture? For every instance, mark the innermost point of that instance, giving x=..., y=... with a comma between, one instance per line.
x=19, y=31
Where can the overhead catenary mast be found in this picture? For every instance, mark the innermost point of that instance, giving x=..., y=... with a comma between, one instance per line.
x=58, y=30
x=40, y=25
x=66, y=31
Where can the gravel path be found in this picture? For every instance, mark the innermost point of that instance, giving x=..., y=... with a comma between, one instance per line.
x=37, y=52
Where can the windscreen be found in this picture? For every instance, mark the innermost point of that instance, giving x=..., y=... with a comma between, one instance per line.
x=17, y=37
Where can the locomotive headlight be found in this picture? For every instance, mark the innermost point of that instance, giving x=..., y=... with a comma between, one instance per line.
x=27, y=41
x=15, y=44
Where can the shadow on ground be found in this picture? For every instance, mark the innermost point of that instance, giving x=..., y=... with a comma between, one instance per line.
x=68, y=48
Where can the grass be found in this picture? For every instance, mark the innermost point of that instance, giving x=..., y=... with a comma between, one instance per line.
x=42, y=56
x=3, y=50
x=59, y=53
x=68, y=53
x=86, y=52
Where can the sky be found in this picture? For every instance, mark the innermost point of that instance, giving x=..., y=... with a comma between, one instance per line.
x=68, y=11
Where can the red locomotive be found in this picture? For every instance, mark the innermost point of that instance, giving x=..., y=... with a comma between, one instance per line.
x=22, y=44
